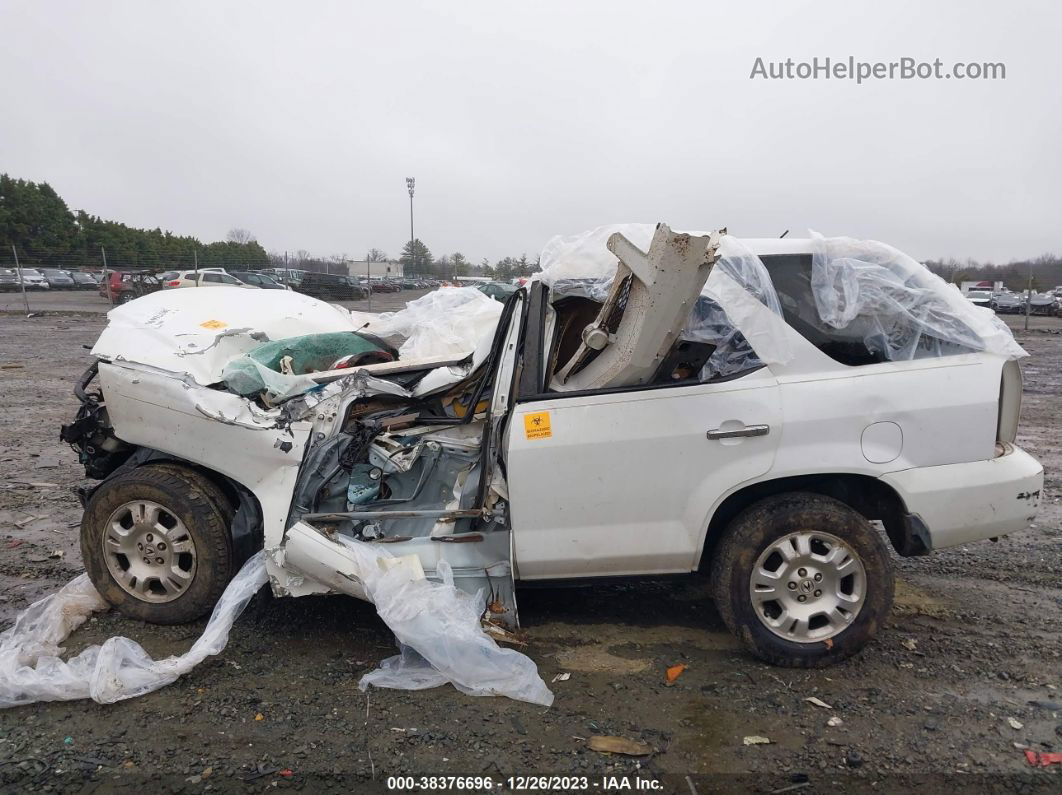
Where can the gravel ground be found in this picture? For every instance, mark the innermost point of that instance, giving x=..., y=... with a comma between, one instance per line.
x=974, y=642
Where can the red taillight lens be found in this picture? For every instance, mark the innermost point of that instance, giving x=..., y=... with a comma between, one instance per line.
x=174, y=283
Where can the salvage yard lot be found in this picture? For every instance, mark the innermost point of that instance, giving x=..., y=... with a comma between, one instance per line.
x=974, y=649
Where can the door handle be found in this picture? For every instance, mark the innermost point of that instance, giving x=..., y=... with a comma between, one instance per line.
x=748, y=430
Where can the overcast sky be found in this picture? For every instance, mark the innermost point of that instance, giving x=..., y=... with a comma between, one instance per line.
x=300, y=121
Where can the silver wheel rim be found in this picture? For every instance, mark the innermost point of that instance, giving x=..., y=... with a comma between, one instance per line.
x=807, y=587
x=149, y=551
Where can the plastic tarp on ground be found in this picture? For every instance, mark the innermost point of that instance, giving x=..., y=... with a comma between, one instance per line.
x=436, y=625
x=447, y=321
x=897, y=305
x=31, y=669
x=440, y=639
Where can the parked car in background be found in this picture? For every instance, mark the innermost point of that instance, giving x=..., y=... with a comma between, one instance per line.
x=84, y=280
x=127, y=285
x=34, y=279
x=1007, y=304
x=204, y=277
x=255, y=279
x=1042, y=304
x=330, y=286
x=499, y=291
x=8, y=279
x=979, y=297
x=287, y=276
x=58, y=279
x=384, y=286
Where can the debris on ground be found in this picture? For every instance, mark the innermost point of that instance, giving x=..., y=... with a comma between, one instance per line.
x=1015, y=723
x=564, y=677
x=618, y=745
x=32, y=670
x=818, y=702
x=755, y=739
x=674, y=672
x=834, y=722
x=1043, y=758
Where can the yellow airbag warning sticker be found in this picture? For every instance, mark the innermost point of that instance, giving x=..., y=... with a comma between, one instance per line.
x=536, y=425
x=213, y=325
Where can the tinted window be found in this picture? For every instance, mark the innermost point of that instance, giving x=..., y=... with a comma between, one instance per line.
x=212, y=277
x=791, y=275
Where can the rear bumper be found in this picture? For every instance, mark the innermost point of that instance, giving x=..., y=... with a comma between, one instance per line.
x=958, y=503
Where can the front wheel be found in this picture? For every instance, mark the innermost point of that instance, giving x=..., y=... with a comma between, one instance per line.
x=803, y=580
x=156, y=543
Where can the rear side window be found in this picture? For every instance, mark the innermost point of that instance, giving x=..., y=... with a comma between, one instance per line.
x=791, y=275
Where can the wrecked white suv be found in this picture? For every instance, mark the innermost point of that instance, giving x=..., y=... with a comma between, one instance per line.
x=768, y=412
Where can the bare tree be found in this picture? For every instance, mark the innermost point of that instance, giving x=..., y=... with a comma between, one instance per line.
x=375, y=255
x=241, y=236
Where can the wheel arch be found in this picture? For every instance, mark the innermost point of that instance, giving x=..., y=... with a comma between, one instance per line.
x=869, y=496
x=246, y=528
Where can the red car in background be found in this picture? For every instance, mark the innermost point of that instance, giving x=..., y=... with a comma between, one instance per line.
x=127, y=285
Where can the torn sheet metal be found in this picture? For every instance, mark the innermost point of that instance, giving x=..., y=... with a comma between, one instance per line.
x=32, y=670
x=438, y=621
x=651, y=296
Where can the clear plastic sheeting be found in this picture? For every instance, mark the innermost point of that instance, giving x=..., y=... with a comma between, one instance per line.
x=900, y=308
x=581, y=265
x=438, y=630
x=447, y=321
x=897, y=307
x=31, y=669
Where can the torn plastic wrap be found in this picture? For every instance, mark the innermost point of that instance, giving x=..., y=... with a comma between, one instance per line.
x=448, y=321
x=902, y=309
x=281, y=369
x=31, y=669
x=437, y=627
x=581, y=265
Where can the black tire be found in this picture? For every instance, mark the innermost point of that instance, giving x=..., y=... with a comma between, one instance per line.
x=206, y=514
x=749, y=536
x=123, y=298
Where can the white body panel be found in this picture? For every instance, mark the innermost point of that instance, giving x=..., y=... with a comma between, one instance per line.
x=626, y=481
x=163, y=413
x=973, y=501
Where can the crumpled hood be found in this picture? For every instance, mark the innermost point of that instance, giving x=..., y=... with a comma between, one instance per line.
x=197, y=330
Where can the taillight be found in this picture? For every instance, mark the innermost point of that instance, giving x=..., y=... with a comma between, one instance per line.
x=174, y=283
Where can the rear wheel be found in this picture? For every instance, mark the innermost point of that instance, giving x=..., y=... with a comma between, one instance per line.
x=157, y=545
x=803, y=580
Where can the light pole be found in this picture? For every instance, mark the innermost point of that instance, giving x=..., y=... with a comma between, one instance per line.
x=410, y=183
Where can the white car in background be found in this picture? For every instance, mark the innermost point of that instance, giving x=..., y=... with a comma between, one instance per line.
x=204, y=277
x=34, y=279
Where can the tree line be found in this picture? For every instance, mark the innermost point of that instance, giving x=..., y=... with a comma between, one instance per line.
x=45, y=232
x=1044, y=272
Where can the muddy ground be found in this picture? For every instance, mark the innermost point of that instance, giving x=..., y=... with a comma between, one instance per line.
x=974, y=642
